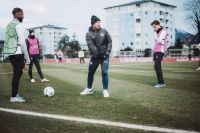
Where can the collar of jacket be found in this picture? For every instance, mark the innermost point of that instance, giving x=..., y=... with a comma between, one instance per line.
x=16, y=20
x=91, y=29
x=159, y=29
x=31, y=37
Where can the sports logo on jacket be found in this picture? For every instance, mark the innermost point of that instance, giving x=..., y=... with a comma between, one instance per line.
x=102, y=34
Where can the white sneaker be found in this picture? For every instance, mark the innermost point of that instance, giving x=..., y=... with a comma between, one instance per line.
x=198, y=69
x=33, y=81
x=20, y=97
x=45, y=80
x=159, y=85
x=105, y=93
x=86, y=91
x=17, y=99
x=162, y=85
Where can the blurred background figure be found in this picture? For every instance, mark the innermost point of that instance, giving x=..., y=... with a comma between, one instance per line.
x=81, y=55
x=189, y=56
x=60, y=56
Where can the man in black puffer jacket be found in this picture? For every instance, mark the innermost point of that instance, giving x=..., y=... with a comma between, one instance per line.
x=100, y=44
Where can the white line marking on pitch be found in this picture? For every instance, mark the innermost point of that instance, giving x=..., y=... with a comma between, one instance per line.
x=185, y=71
x=6, y=73
x=95, y=121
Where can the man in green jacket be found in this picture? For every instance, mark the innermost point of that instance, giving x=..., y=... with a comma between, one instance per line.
x=15, y=47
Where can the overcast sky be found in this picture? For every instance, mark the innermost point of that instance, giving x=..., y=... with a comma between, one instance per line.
x=72, y=14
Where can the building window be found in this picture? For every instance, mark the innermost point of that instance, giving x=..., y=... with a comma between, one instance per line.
x=146, y=12
x=161, y=12
x=155, y=12
x=49, y=33
x=138, y=35
x=160, y=19
x=123, y=43
x=146, y=43
x=138, y=5
x=131, y=43
x=138, y=20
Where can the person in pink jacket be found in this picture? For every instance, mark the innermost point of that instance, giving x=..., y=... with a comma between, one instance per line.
x=60, y=56
x=34, y=53
x=160, y=48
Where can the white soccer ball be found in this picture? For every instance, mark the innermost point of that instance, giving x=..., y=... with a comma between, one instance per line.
x=198, y=46
x=48, y=91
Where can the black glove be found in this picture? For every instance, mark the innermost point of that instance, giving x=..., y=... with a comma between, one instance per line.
x=105, y=55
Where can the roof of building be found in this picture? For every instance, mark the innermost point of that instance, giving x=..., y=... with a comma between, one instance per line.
x=48, y=26
x=140, y=1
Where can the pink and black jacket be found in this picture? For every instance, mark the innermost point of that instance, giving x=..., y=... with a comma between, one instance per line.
x=161, y=41
x=33, y=46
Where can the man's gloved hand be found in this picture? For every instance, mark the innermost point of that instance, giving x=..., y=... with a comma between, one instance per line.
x=105, y=55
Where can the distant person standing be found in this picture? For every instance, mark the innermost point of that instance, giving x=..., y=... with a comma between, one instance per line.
x=81, y=57
x=189, y=57
x=100, y=45
x=198, y=69
x=60, y=56
x=34, y=53
x=160, y=49
x=15, y=47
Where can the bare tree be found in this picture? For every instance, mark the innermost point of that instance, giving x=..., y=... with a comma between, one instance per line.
x=193, y=14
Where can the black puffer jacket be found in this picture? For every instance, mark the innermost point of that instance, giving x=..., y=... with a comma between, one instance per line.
x=99, y=42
